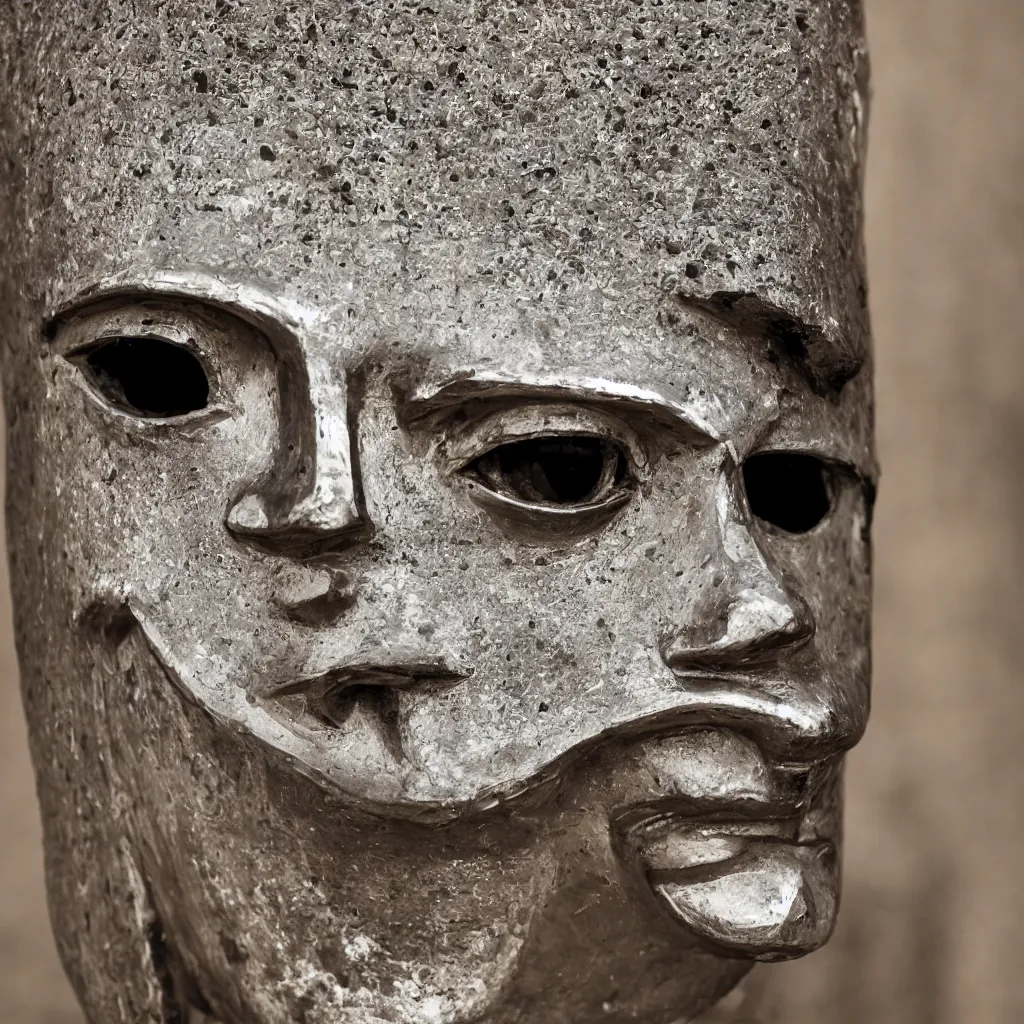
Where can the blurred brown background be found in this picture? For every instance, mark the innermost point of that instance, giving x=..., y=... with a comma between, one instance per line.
x=933, y=919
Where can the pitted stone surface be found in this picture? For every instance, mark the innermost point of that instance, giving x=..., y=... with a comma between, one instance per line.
x=713, y=147
x=349, y=702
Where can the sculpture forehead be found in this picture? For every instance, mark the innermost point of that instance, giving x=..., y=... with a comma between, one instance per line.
x=573, y=149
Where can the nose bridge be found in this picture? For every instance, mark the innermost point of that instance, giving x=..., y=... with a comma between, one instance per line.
x=330, y=503
x=311, y=492
x=743, y=611
x=760, y=599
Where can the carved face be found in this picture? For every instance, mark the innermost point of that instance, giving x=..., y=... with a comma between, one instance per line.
x=568, y=638
x=436, y=633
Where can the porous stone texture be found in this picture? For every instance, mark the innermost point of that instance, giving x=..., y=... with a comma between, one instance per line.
x=706, y=147
x=347, y=703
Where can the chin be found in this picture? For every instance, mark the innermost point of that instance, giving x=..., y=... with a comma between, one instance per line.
x=277, y=900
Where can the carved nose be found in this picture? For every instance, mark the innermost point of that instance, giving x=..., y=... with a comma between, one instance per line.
x=308, y=503
x=744, y=615
x=754, y=625
x=311, y=524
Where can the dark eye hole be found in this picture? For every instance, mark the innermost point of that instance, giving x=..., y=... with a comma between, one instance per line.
x=148, y=377
x=788, y=490
x=563, y=470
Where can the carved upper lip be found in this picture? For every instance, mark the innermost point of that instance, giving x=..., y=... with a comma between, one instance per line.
x=786, y=737
x=794, y=822
x=798, y=731
x=648, y=815
x=789, y=797
x=432, y=673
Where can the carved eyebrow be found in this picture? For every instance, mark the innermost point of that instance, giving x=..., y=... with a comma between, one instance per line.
x=825, y=358
x=273, y=315
x=473, y=385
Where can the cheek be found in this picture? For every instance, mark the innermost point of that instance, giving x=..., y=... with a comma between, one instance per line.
x=280, y=897
x=142, y=505
x=460, y=578
x=831, y=570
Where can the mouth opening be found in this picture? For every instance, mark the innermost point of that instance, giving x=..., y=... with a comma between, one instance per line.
x=328, y=700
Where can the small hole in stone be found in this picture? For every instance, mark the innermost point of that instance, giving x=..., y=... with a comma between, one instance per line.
x=788, y=490
x=149, y=377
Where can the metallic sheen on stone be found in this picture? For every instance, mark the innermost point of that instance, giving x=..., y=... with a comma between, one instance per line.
x=440, y=473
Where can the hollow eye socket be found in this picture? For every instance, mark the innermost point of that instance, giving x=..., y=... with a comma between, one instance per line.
x=559, y=471
x=787, y=489
x=147, y=376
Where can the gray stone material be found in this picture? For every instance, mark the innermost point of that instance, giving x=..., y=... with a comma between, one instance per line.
x=440, y=475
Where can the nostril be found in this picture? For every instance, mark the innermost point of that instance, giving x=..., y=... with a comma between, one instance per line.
x=313, y=594
x=756, y=627
x=306, y=530
x=248, y=515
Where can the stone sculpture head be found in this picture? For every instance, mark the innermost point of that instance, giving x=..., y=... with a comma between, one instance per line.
x=440, y=469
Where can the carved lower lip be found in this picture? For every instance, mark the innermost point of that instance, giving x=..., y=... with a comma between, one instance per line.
x=761, y=888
